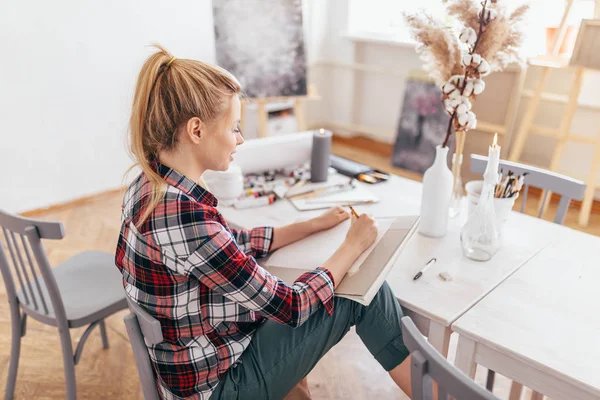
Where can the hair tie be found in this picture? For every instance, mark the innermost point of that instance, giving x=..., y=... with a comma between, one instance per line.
x=171, y=61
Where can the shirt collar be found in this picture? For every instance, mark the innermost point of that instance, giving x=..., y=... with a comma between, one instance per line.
x=186, y=185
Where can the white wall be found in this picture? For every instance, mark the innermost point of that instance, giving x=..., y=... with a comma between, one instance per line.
x=67, y=76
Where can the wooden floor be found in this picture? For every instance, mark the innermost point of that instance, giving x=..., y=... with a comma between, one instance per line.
x=347, y=372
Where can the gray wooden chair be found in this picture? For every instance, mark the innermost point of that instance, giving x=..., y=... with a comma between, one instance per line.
x=83, y=290
x=143, y=330
x=568, y=189
x=428, y=366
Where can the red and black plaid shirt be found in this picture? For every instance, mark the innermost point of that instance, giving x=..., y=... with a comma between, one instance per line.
x=200, y=279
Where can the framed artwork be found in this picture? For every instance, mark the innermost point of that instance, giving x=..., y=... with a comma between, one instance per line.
x=261, y=42
x=421, y=127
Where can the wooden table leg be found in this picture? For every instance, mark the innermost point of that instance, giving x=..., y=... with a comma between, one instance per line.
x=465, y=356
x=537, y=396
x=439, y=337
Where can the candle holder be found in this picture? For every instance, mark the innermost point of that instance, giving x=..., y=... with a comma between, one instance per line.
x=480, y=236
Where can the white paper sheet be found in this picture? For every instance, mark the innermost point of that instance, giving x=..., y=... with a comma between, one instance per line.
x=314, y=250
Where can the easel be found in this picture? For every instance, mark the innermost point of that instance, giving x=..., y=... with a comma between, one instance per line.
x=263, y=115
x=579, y=61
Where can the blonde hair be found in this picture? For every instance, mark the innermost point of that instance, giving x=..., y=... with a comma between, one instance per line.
x=170, y=91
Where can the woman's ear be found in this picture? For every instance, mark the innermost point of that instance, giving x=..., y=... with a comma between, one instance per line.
x=194, y=129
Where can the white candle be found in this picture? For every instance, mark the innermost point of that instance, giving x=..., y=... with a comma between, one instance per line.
x=491, y=172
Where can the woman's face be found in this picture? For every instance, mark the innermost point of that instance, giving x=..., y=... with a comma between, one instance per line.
x=224, y=138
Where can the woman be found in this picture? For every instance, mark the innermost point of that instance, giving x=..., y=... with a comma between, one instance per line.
x=231, y=330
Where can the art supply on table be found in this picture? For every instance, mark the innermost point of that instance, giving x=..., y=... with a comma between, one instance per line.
x=425, y=268
x=357, y=170
x=319, y=161
x=352, y=195
x=353, y=211
x=509, y=186
x=252, y=202
x=445, y=276
x=225, y=185
x=328, y=190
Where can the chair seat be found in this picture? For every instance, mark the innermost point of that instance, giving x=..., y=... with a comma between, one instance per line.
x=91, y=288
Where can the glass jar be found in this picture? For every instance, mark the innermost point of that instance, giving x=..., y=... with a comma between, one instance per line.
x=479, y=237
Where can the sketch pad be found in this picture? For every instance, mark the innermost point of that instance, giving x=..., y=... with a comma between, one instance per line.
x=292, y=261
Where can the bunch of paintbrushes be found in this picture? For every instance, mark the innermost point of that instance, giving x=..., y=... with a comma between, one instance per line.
x=509, y=185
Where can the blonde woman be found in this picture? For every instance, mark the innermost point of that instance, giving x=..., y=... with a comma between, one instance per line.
x=231, y=330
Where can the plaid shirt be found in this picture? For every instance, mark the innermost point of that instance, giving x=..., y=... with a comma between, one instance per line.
x=200, y=279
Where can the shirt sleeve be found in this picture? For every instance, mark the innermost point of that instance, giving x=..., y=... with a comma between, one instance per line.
x=255, y=242
x=222, y=266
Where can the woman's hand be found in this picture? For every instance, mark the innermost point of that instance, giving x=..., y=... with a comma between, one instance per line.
x=362, y=233
x=330, y=218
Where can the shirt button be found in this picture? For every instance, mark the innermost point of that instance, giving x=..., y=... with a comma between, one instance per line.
x=264, y=289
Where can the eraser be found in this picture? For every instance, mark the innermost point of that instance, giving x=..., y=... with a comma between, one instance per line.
x=445, y=276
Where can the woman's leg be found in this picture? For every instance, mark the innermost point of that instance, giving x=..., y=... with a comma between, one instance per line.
x=279, y=356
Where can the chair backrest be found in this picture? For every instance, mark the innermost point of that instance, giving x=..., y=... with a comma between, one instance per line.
x=428, y=366
x=37, y=289
x=568, y=188
x=143, y=331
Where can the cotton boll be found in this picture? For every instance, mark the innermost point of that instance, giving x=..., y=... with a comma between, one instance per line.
x=484, y=68
x=468, y=89
x=455, y=102
x=466, y=102
x=468, y=36
x=457, y=80
x=476, y=59
x=471, y=120
x=448, y=87
x=455, y=94
x=448, y=106
x=466, y=60
x=492, y=14
x=478, y=86
x=462, y=109
x=463, y=119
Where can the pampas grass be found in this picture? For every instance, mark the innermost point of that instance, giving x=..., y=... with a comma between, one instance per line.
x=438, y=46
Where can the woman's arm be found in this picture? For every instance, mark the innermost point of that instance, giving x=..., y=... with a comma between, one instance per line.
x=291, y=233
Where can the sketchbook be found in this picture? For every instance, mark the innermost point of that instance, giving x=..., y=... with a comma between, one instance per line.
x=366, y=275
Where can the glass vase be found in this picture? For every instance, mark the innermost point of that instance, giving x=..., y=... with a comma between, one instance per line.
x=479, y=237
x=457, y=189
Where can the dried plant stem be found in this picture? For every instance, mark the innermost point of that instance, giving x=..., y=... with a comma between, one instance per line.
x=462, y=90
x=460, y=146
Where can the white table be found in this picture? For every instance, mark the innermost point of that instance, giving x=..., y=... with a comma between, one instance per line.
x=541, y=327
x=433, y=304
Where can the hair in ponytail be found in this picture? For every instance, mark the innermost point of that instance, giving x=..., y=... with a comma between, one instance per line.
x=170, y=91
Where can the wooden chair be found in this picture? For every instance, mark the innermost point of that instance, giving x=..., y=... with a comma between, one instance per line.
x=568, y=188
x=428, y=366
x=83, y=290
x=144, y=330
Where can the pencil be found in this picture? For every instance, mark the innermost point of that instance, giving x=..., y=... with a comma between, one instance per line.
x=353, y=211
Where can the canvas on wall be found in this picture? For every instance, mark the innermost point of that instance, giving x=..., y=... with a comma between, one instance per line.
x=261, y=42
x=422, y=126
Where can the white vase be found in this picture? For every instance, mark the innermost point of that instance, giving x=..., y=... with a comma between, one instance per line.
x=437, y=192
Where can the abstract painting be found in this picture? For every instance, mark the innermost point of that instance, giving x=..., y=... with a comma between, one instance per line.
x=261, y=42
x=422, y=126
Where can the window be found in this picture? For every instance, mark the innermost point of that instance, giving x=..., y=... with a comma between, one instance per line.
x=383, y=18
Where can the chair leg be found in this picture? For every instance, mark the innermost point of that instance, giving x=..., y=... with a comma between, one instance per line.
x=69, y=362
x=103, y=334
x=17, y=331
x=516, y=389
x=489, y=384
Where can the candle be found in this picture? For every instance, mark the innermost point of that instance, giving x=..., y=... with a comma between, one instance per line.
x=319, y=162
x=491, y=172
